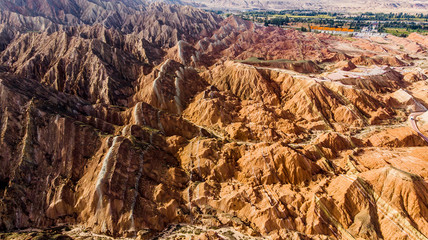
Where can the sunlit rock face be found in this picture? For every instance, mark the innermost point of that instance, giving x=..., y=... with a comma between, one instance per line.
x=132, y=119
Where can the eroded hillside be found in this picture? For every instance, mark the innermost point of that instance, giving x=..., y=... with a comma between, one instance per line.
x=116, y=122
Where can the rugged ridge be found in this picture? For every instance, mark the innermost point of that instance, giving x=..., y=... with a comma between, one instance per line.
x=206, y=128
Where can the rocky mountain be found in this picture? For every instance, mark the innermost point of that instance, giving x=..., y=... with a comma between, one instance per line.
x=149, y=120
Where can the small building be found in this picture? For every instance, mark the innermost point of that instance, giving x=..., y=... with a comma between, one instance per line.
x=339, y=31
x=366, y=32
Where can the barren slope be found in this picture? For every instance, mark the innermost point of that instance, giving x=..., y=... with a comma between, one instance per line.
x=239, y=131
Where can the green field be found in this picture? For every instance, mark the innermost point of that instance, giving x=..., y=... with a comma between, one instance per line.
x=403, y=31
x=323, y=16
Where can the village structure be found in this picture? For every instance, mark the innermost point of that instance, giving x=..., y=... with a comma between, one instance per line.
x=370, y=31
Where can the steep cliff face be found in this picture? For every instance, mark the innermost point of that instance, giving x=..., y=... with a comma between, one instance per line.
x=170, y=87
x=88, y=68
x=79, y=168
x=205, y=128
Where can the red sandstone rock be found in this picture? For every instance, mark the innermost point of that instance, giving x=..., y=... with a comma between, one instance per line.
x=127, y=130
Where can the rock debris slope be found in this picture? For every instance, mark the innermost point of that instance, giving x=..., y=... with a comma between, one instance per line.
x=128, y=118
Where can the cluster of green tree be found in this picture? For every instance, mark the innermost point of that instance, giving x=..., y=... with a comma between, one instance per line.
x=409, y=22
x=388, y=17
x=278, y=21
x=290, y=12
x=314, y=16
x=405, y=28
x=409, y=26
x=320, y=21
x=219, y=12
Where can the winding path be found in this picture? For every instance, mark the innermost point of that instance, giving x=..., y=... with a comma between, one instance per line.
x=412, y=119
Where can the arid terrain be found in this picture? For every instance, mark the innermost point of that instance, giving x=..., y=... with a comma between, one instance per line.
x=133, y=120
x=353, y=6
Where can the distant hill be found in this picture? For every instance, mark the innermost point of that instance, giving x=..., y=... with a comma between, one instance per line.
x=417, y=6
